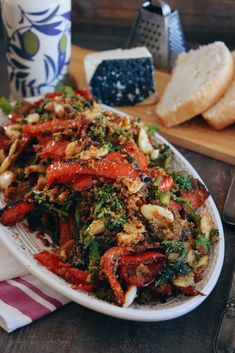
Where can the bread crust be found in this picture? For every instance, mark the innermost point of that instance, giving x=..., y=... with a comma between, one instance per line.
x=222, y=114
x=203, y=100
x=221, y=120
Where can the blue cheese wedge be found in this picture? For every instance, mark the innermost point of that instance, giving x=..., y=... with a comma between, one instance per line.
x=121, y=76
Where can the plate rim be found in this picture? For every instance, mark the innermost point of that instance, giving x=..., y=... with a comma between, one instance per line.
x=101, y=306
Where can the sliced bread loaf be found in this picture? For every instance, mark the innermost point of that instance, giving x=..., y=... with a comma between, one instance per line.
x=199, y=79
x=222, y=114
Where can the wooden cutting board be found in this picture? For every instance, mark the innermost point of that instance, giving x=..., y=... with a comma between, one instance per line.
x=195, y=134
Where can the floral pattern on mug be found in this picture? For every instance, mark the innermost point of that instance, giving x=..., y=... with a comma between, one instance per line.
x=38, y=45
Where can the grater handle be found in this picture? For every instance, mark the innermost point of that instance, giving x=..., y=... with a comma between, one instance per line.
x=166, y=10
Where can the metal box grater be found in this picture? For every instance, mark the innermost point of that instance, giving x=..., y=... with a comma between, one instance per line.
x=159, y=29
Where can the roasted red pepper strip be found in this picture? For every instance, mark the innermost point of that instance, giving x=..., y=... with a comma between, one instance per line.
x=105, y=168
x=42, y=143
x=71, y=274
x=197, y=196
x=167, y=180
x=82, y=182
x=132, y=149
x=109, y=263
x=84, y=93
x=51, y=126
x=15, y=118
x=140, y=269
x=175, y=206
x=49, y=261
x=44, y=140
x=79, y=182
x=86, y=287
x=117, y=157
x=190, y=291
x=74, y=275
x=54, y=150
x=51, y=95
x=67, y=229
x=166, y=183
x=156, y=173
x=15, y=213
x=39, y=102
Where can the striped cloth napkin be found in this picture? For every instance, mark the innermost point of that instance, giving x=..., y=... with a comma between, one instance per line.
x=23, y=298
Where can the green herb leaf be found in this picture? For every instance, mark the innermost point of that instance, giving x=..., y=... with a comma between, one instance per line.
x=94, y=253
x=98, y=133
x=170, y=270
x=196, y=217
x=43, y=199
x=151, y=129
x=175, y=247
x=184, y=201
x=183, y=180
x=115, y=224
x=5, y=105
x=105, y=199
x=78, y=222
x=105, y=293
x=66, y=90
x=164, y=159
x=203, y=243
x=164, y=197
x=109, y=208
x=133, y=161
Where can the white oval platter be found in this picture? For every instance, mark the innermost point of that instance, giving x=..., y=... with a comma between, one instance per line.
x=23, y=245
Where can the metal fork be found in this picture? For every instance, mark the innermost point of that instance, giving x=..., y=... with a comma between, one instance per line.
x=225, y=337
x=229, y=207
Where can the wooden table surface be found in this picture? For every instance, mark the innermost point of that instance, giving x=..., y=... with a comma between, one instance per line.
x=194, y=134
x=76, y=329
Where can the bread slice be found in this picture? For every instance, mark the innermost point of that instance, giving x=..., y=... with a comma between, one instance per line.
x=199, y=79
x=222, y=114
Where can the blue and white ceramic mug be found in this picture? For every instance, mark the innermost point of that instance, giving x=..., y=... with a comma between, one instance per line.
x=38, y=44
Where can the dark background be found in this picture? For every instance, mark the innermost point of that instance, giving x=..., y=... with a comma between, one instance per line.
x=105, y=24
x=203, y=20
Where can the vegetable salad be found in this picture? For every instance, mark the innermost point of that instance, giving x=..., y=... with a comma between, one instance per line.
x=124, y=225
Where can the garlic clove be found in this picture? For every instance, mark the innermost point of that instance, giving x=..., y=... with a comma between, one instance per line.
x=154, y=154
x=134, y=226
x=6, y=179
x=143, y=142
x=32, y=118
x=184, y=281
x=160, y=215
x=96, y=227
x=206, y=225
x=129, y=238
x=130, y=296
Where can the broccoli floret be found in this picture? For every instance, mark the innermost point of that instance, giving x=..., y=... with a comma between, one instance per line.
x=183, y=180
x=106, y=199
x=109, y=208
